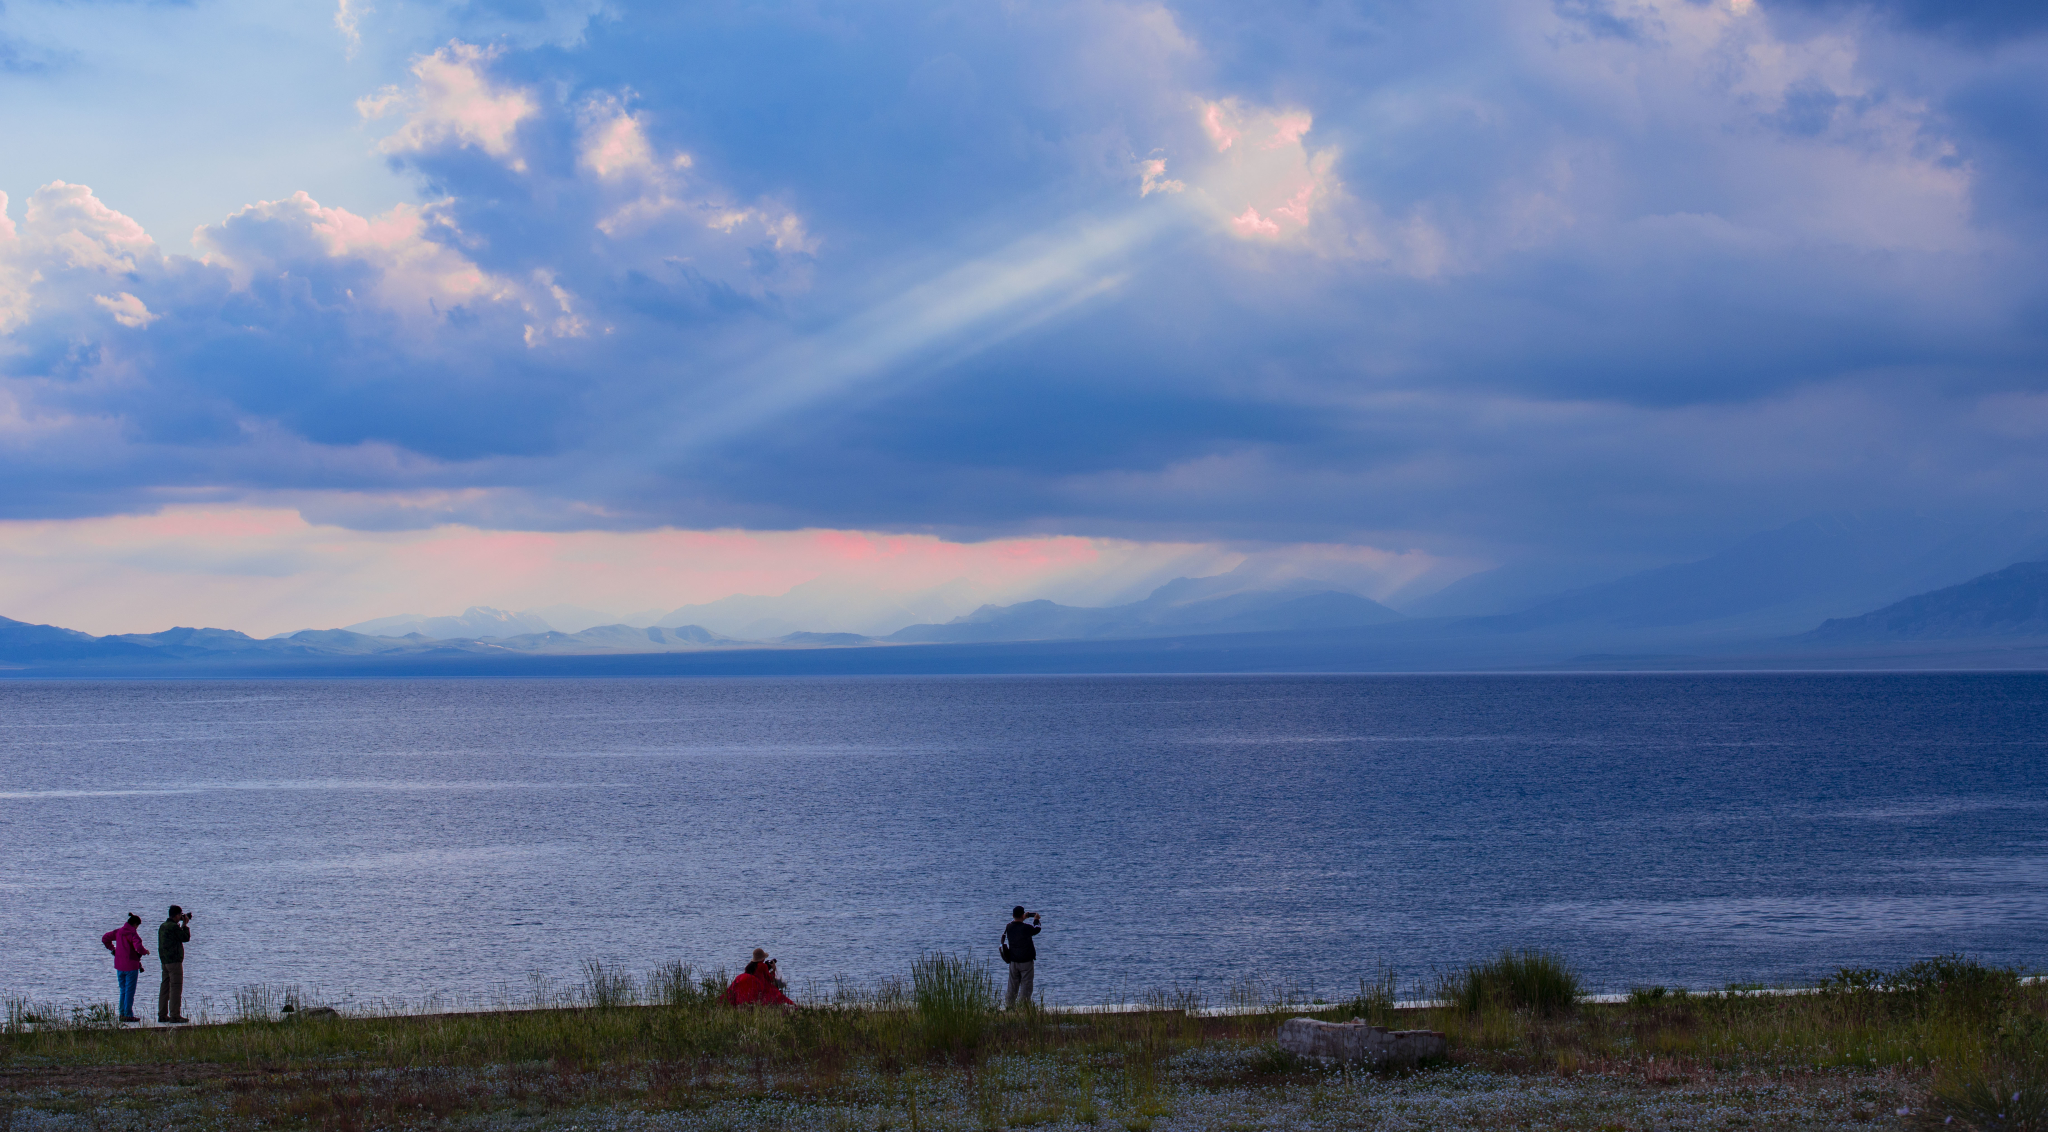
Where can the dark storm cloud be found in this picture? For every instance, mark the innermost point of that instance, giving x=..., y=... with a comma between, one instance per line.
x=1976, y=21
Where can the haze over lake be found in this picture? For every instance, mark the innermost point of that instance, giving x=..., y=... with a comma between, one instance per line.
x=411, y=839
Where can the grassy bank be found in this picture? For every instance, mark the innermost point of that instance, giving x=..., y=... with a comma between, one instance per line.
x=1945, y=1041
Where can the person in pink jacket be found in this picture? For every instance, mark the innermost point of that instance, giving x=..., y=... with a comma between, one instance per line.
x=128, y=952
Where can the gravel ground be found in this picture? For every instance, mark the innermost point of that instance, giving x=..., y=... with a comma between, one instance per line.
x=1213, y=1089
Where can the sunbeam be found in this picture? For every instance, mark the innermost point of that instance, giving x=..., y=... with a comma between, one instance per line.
x=929, y=325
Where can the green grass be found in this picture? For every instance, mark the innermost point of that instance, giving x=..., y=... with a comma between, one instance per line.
x=956, y=1000
x=1947, y=1040
x=1523, y=980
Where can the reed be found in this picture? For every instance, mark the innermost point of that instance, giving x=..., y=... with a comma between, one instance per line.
x=1530, y=980
x=955, y=997
x=1375, y=999
x=606, y=986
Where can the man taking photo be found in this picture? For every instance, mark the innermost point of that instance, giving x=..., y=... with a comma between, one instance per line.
x=1020, y=953
x=171, y=937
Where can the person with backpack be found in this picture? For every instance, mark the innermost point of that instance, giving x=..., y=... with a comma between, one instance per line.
x=1018, y=950
x=128, y=952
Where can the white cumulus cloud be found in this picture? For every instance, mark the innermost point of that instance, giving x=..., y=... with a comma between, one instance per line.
x=454, y=101
x=127, y=310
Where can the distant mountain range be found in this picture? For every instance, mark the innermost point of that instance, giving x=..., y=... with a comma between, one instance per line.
x=25, y=645
x=1787, y=580
x=476, y=622
x=1182, y=606
x=1757, y=603
x=2012, y=602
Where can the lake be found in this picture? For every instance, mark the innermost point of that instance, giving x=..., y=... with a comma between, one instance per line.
x=406, y=840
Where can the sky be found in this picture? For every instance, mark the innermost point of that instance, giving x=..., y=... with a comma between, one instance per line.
x=317, y=312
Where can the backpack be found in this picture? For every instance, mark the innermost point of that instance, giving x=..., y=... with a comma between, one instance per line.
x=1003, y=944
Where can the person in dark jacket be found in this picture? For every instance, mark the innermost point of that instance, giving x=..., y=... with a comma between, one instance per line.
x=128, y=952
x=1021, y=953
x=171, y=937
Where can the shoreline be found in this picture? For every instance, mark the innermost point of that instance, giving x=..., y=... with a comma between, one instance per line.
x=14, y=1024
x=1948, y=1034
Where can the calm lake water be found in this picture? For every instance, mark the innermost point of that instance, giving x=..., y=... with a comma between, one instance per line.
x=400, y=840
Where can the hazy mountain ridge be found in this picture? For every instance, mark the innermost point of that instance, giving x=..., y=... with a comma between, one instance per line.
x=2012, y=602
x=1184, y=605
x=1731, y=604
x=475, y=623
x=23, y=643
x=1787, y=580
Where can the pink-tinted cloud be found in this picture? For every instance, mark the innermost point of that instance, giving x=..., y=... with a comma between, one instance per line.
x=265, y=570
x=1155, y=180
x=653, y=194
x=454, y=101
x=69, y=226
x=127, y=310
x=1250, y=223
x=1271, y=188
x=1223, y=134
x=1288, y=129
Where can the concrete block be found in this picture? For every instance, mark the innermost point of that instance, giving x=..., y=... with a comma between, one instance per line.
x=1355, y=1041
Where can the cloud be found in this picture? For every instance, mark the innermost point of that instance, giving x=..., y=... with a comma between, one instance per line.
x=70, y=227
x=126, y=309
x=453, y=102
x=18, y=57
x=1265, y=184
x=1979, y=22
x=406, y=272
x=1465, y=281
x=267, y=569
x=653, y=195
x=348, y=20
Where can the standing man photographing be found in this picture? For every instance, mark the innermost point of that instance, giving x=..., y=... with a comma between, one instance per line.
x=171, y=937
x=1020, y=953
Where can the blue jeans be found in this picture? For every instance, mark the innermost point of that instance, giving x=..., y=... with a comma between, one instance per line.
x=127, y=992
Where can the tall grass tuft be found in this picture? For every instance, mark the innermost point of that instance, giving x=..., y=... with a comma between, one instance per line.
x=606, y=986
x=254, y=1003
x=1525, y=980
x=1375, y=999
x=674, y=983
x=2010, y=1099
x=955, y=998
x=1957, y=986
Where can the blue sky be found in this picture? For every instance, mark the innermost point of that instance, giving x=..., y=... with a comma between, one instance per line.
x=1614, y=283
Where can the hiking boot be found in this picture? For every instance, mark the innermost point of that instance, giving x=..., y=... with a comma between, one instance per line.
x=181, y=1021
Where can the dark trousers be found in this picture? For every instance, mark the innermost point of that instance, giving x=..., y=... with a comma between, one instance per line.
x=170, y=994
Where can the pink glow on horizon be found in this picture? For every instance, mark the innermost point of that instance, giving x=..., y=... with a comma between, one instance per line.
x=266, y=570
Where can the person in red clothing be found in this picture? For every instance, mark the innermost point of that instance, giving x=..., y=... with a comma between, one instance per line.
x=128, y=952
x=755, y=988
